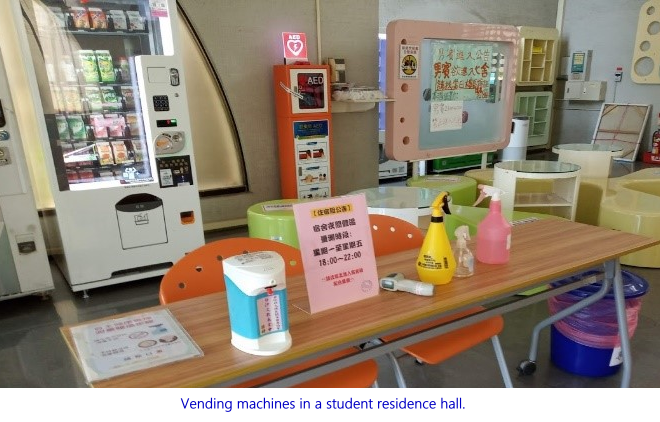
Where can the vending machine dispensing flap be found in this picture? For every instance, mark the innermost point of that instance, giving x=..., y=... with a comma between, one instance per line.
x=141, y=220
x=139, y=202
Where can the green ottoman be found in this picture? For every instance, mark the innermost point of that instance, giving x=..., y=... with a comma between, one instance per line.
x=472, y=216
x=273, y=220
x=463, y=190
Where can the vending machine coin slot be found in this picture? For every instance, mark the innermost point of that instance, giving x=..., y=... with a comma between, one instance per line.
x=4, y=156
x=174, y=77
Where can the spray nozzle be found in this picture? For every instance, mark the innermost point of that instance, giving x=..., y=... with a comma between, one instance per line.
x=441, y=202
x=462, y=234
x=491, y=191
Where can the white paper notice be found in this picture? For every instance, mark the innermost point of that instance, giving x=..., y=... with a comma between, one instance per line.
x=446, y=115
x=118, y=346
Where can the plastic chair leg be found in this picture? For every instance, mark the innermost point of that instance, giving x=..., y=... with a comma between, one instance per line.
x=499, y=353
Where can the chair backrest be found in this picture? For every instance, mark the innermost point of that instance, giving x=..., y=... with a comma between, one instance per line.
x=391, y=234
x=200, y=272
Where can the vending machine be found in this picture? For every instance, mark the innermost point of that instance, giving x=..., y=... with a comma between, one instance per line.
x=106, y=80
x=302, y=103
x=24, y=267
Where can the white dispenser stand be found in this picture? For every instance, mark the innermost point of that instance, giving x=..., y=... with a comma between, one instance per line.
x=257, y=302
x=517, y=148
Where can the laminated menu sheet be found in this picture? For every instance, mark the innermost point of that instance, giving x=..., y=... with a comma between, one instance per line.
x=118, y=346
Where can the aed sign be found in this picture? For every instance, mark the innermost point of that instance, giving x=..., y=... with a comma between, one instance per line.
x=295, y=47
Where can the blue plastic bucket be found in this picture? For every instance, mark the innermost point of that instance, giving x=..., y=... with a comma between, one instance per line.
x=581, y=359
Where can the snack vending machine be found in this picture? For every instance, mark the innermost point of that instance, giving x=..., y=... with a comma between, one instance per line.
x=24, y=267
x=302, y=102
x=106, y=80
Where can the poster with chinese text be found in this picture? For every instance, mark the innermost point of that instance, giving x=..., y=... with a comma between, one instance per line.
x=337, y=251
x=312, y=143
x=461, y=71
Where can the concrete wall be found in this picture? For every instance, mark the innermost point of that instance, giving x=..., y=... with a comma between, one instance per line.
x=244, y=42
x=511, y=12
x=609, y=28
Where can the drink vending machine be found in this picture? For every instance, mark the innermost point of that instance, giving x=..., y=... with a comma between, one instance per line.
x=24, y=267
x=106, y=80
x=302, y=103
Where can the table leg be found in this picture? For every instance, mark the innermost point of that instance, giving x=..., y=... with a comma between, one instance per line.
x=528, y=366
x=613, y=271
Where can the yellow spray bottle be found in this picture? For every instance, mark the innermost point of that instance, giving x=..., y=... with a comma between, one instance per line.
x=436, y=263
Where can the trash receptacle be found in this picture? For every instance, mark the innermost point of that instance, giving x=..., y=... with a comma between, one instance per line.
x=517, y=148
x=587, y=342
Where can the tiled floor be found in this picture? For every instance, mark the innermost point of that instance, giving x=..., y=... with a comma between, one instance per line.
x=33, y=354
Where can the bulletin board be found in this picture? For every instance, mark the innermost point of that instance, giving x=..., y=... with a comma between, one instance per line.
x=622, y=125
x=453, y=87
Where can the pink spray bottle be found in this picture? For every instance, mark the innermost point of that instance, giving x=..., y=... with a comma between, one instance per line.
x=494, y=231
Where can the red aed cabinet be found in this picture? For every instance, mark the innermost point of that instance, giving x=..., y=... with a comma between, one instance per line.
x=304, y=130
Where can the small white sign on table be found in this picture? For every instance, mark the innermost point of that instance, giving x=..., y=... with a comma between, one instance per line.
x=337, y=251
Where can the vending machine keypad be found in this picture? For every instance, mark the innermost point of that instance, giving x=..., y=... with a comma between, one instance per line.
x=161, y=103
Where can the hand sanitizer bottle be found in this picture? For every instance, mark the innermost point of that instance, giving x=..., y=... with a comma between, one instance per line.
x=464, y=258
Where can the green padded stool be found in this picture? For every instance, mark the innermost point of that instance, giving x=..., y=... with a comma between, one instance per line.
x=463, y=190
x=472, y=216
x=274, y=220
x=409, y=203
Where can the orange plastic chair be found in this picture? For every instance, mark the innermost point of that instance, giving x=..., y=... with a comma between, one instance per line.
x=200, y=273
x=391, y=234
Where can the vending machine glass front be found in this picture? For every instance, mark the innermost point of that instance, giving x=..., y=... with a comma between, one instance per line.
x=84, y=62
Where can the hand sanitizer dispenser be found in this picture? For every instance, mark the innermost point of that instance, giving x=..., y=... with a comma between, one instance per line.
x=256, y=297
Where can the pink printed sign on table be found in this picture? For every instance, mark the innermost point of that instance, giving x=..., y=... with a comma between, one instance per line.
x=337, y=251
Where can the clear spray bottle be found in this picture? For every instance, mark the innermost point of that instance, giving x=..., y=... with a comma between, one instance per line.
x=464, y=257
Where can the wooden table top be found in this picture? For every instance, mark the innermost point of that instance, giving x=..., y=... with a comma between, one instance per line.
x=542, y=250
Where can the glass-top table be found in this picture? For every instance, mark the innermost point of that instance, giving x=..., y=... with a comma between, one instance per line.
x=560, y=201
x=537, y=166
x=405, y=202
x=594, y=159
x=588, y=147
